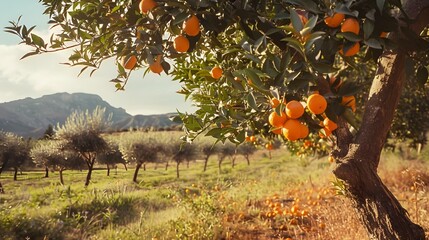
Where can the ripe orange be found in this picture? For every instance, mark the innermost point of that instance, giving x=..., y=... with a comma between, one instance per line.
x=247, y=139
x=146, y=5
x=275, y=102
x=216, y=72
x=351, y=51
x=329, y=124
x=269, y=146
x=181, y=44
x=294, y=109
x=129, y=62
x=325, y=133
x=277, y=130
x=351, y=25
x=156, y=66
x=349, y=101
x=252, y=138
x=334, y=20
x=192, y=26
x=316, y=103
x=276, y=120
x=304, y=131
x=292, y=129
x=383, y=34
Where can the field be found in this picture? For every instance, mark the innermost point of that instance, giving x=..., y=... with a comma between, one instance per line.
x=280, y=198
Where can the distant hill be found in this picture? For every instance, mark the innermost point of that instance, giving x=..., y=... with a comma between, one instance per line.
x=30, y=117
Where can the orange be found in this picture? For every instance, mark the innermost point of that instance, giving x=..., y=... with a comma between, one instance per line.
x=351, y=25
x=349, y=101
x=383, y=34
x=248, y=139
x=146, y=5
x=304, y=131
x=269, y=146
x=325, y=133
x=294, y=109
x=316, y=103
x=252, y=138
x=181, y=44
x=329, y=124
x=277, y=121
x=351, y=51
x=192, y=26
x=216, y=72
x=307, y=143
x=129, y=62
x=303, y=18
x=292, y=129
x=277, y=130
x=156, y=66
x=275, y=102
x=334, y=20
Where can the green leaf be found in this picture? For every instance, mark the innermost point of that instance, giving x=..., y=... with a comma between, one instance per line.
x=308, y=5
x=373, y=43
x=422, y=76
x=178, y=19
x=29, y=54
x=368, y=28
x=37, y=40
x=253, y=76
x=252, y=101
x=350, y=36
x=324, y=68
x=380, y=5
x=308, y=27
x=296, y=20
x=216, y=132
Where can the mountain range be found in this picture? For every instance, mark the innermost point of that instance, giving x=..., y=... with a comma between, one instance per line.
x=30, y=117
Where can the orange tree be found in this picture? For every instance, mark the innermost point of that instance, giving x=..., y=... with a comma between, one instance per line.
x=246, y=59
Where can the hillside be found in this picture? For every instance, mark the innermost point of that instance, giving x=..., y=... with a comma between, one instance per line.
x=30, y=117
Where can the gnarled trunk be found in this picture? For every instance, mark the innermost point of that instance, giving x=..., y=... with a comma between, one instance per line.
x=61, y=176
x=136, y=172
x=46, y=172
x=177, y=169
x=15, y=173
x=206, y=160
x=108, y=169
x=1, y=189
x=90, y=164
x=358, y=157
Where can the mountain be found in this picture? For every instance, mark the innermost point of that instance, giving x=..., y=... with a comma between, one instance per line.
x=30, y=117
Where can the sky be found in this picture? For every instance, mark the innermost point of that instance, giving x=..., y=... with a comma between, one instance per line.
x=44, y=74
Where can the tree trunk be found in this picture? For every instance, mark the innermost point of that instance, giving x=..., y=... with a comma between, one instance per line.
x=1, y=189
x=144, y=167
x=220, y=166
x=206, y=160
x=46, y=172
x=248, y=160
x=90, y=167
x=108, y=170
x=269, y=154
x=125, y=166
x=15, y=174
x=61, y=176
x=358, y=156
x=177, y=169
x=166, y=166
x=233, y=162
x=136, y=172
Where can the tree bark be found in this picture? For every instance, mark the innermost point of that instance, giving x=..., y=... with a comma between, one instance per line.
x=61, y=176
x=220, y=165
x=177, y=169
x=108, y=170
x=233, y=162
x=358, y=157
x=46, y=172
x=136, y=172
x=90, y=167
x=166, y=166
x=15, y=174
x=125, y=166
x=1, y=189
x=248, y=160
x=206, y=160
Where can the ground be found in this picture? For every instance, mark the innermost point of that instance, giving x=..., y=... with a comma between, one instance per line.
x=279, y=198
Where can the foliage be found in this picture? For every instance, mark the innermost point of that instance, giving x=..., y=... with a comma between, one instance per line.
x=112, y=155
x=140, y=148
x=14, y=151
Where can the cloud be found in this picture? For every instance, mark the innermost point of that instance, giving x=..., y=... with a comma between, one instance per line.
x=43, y=74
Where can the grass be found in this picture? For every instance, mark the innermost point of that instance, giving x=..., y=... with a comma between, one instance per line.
x=279, y=198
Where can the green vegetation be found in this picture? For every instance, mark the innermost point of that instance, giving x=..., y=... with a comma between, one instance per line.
x=240, y=202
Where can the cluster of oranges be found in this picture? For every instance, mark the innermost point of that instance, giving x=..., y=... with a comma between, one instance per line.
x=191, y=27
x=287, y=122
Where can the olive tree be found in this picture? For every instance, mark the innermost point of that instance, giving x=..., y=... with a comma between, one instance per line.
x=81, y=134
x=111, y=156
x=226, y=150
x=260, y=50
x=246, y=150
x=207, y=149
x=140, y=148
x=180, y=152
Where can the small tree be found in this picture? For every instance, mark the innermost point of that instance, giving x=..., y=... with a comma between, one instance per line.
x=226, y=150
x=49, y=132
x=111, y=156
x=182, y=152
x=49, y=154
x=246, y=150
x=81, y=134
x=14, y=151
x=208, y=149
x=139, y=149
